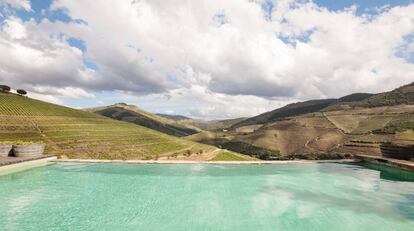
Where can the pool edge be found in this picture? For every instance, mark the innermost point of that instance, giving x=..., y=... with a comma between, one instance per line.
x=201, y=162
x=24, y=165
x=395, y=163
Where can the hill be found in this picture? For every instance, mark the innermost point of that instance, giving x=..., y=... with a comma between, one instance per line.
x=213, y=125
x=133, y=114
x=354, y=97
x=293, y=109
x=320, y=129
x=320, y=135
x=401, y=95
x=173, y=117
x=81, y=134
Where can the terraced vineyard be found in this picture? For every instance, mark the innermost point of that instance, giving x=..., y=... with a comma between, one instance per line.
x=79, y=134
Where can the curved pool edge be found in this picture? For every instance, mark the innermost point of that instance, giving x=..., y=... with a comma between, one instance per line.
x=25, y=165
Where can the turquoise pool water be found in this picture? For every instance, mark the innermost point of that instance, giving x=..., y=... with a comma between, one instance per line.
x=207, y=197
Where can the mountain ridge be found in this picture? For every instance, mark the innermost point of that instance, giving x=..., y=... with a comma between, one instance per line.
x=400, y=95
x=134, y=114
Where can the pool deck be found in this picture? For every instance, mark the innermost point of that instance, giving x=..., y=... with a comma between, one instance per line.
x=14, y=160
x=403, y=164
x=15, y=164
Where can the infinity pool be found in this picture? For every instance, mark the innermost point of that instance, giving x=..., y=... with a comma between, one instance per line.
x=285, y=197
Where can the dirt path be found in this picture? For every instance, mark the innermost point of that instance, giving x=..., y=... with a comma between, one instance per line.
x=45, y=137
x=311, y=140
x=213, y=153
x=339, y=129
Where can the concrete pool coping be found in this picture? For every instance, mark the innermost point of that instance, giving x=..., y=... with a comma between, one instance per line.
x=13, y=164
x=402, y=164
x=202, y=162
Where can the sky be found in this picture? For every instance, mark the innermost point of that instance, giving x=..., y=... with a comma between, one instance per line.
x=208, y=59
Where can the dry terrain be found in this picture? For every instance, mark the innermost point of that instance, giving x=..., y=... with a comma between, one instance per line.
x=352, y=131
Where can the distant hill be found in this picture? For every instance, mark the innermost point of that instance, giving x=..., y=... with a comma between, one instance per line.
x=323, y=129
x=173, y=117
x=293, y=109
x=354, y=97
x=81, y=134
x=133, y=114
x=212, y=125
x=401, y=95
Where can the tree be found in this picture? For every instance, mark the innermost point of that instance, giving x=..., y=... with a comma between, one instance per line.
x=21, y=92
x=4, y=88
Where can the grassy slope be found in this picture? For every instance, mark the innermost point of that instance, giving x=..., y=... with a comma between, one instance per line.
x=406, y=135
x=133, y=114
x=401, y=95
x=231, y=156
x=80, y=134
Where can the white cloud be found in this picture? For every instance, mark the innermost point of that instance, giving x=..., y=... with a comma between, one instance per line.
x=46, y=97
x=67, y=92
x=24, y=4
x=230, y=57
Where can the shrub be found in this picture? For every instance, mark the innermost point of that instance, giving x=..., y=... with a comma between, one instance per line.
x=4, y=88
x=188, y=153
x=21, y=92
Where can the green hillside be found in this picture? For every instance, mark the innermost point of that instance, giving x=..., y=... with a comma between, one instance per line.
x=80, y=134
x=401, y=95
x=133, y=114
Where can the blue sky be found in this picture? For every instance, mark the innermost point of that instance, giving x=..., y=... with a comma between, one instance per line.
x=363, y=4
x=171, y=59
